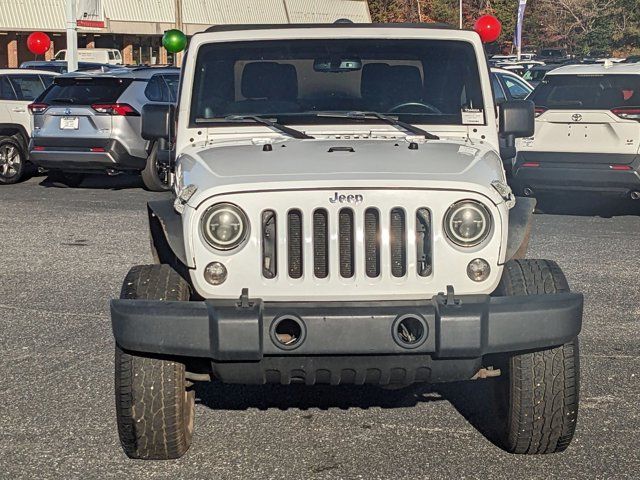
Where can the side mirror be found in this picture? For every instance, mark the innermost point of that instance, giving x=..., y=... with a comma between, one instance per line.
x=517, y=118
x=158, y=121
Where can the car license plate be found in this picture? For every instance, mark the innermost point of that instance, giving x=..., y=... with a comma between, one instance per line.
x=69, y=123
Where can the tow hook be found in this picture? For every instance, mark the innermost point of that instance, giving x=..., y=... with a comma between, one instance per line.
x=243, y=301
x=488, y=372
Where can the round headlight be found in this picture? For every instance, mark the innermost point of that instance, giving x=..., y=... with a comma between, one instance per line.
x=224, y=226
x=467, y=223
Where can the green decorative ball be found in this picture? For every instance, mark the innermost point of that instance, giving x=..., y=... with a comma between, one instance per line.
x=174, y=41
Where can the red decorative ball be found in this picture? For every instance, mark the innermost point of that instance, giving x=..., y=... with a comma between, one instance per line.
x=38, y=43
x=488, y=27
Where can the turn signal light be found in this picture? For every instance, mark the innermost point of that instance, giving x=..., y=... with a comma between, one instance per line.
x=628, y=113
x=37, y=107
x=539, y=111
x=116, y=109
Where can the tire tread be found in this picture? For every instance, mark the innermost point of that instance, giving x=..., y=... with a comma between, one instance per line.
x=543, y=385
x=150, y=399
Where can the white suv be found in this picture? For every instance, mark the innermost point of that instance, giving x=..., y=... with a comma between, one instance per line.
x=587, y=135
x=18, y=88
x=341, y=217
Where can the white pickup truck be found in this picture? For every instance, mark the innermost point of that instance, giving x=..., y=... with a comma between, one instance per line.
x=341, y=216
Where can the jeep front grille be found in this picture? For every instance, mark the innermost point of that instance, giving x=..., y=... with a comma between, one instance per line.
x=294, y=222
x=342, y=228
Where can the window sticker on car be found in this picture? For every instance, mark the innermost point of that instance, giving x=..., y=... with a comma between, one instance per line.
x=472, y=116
x=465, y=150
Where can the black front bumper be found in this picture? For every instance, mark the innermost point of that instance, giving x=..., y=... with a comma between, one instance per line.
x=347, y=342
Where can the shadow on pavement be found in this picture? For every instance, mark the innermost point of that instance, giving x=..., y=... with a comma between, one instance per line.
x=475, y=401
x=97, y=181
x=218, y=396
x=587, y=205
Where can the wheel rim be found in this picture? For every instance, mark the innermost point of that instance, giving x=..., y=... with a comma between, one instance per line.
x=10, y=161
x=162, y=172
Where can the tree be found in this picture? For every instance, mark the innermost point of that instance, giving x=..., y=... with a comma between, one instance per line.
x=582, y=26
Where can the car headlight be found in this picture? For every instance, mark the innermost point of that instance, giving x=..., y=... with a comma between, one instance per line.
x=467, y=223
x=224, y=226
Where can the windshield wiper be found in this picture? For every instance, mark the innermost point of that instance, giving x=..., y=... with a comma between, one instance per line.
x=357, y=115
x=292, y=132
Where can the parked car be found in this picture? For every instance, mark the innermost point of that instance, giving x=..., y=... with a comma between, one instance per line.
x=324, y=198
x=535, y=74
x=18, y=88
x=90, y=123
x=96, y=55
x=551, y=55
x=508, y=86
x=587, y=134
x=632, y=59
x=61, y=66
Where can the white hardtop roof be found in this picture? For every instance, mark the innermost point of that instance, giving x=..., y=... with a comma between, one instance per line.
x=224, y=33
x=598, y=69
x=26, y=71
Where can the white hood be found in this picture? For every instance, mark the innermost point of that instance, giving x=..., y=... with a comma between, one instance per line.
x=329, y=163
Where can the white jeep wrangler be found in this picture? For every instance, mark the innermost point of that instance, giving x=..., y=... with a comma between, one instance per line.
x=341, y=217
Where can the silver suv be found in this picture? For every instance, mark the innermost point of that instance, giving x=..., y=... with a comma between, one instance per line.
x=90, y=123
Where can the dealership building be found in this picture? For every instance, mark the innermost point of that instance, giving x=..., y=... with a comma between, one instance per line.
x=135, y=27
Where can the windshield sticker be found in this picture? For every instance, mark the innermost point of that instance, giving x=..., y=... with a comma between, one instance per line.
x=472, y=116
x=464, y=150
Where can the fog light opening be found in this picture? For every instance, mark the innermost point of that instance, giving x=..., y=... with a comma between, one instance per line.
x=287, y=332
x=478, y=270
x=215, y=273
x=409, y=331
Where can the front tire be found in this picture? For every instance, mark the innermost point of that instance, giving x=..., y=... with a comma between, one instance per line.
x=155, y=405
x=13, y=161
x=539, y=391
x=155, y=177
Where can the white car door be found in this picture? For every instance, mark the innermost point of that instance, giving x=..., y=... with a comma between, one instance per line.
x=27, y=87
x=7, y=98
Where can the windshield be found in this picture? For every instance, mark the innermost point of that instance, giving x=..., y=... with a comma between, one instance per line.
x=84, y=90
x=534, y=75
x=425, y=81
x=601, y=92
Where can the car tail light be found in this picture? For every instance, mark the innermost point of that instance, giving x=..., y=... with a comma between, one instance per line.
x=37, y=107
x=97, y=149
x=620, y=167
x=115, y=109
x=539, y=111
x=531, y=164
x=628, y=113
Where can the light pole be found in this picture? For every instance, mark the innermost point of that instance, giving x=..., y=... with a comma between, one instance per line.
x=72, y=36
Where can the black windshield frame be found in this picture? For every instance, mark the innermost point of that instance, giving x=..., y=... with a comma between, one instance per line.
x=448, y=70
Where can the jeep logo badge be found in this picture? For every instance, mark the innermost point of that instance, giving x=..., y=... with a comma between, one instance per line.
x=353, y=199
x=576, y=117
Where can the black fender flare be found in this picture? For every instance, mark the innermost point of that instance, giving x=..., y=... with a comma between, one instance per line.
x=11, y=129
x=520, y=220
x=167, y=239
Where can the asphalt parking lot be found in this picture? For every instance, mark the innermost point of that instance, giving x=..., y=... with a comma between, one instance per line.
x=63, y=255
